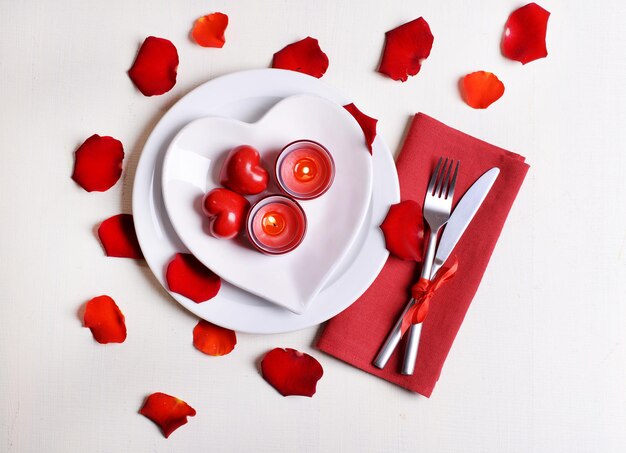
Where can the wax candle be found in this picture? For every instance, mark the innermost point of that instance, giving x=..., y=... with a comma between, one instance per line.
x=276, y=224
x=305, y=169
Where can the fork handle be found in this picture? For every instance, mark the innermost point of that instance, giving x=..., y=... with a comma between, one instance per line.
x=414, y=333
x=429, y=256
x=392, y=339
x=410, y=352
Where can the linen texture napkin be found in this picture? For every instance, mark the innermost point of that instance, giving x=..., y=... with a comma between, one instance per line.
x=356, y=335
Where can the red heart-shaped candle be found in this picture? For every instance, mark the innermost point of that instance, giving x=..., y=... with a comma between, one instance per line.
x=242, y=171
x=226, y=211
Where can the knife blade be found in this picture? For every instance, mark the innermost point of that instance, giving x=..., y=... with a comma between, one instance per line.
x=460, y=218
x=462, y=215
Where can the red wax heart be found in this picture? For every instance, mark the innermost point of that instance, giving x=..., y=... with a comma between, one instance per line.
x=226, y=211
x=242, y=171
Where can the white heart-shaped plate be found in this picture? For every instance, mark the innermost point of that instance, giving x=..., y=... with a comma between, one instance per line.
x=191, y=168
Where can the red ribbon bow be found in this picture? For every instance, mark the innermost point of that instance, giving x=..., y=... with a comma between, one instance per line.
x=423, y=291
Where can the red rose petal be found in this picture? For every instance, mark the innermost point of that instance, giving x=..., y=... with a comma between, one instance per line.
x=208, y=31
x=481, y=89
x=405, y=48
x=98, y=163
x=154, y=69
x=188, y=277
x=213, y=340
x=168, y=412
x=367, y=123
x=106, y=321
x=118, y=237
x=302, y=56
x=524, y=36
x=291, y=372
x=404, y=230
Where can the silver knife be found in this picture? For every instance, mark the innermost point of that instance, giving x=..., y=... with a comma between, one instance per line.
x=459, y=220
x=462, y=216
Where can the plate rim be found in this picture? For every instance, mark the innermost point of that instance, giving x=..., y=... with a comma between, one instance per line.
x=145, y=196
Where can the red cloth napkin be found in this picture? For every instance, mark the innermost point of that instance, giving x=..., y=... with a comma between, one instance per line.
x=356, y=334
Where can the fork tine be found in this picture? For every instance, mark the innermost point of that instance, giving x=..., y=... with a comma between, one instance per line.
x=453, y=182
x=446, y=180
x=433, y=178
x=440, y=180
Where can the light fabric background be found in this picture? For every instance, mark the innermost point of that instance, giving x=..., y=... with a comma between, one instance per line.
x=540, y=362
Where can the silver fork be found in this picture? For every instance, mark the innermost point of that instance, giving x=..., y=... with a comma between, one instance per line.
x=437, y=208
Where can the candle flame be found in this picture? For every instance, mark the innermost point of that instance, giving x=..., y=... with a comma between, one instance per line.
x=305, y=169
x=273, y=223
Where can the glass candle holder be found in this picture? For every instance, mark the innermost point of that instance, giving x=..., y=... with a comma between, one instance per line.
x=305, y=169
x=276, y=225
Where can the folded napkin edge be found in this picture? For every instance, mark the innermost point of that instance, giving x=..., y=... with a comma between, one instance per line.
x=420, y=116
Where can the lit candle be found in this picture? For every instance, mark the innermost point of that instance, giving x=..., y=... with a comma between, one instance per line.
x=273, y=223
x=276, y=224
x=305, y=169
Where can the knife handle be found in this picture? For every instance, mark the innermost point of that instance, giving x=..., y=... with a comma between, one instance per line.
x=394, y=337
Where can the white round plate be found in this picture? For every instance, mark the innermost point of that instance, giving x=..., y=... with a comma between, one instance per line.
x=246, y=96
x=191, y=168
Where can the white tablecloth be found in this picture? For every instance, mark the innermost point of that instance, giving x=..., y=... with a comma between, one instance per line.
x=540, y=362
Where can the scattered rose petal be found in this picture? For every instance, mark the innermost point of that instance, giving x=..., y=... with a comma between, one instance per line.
x=481, y=89
x=106, y=321
x=404, y=230
x=208, y=31
x=302, y=56
x=98, y=163
x=168, y=412
x=291, y=372
x=367, y=123
x=154, y=69
x=188, y=277
x=118, y=237
x=524, y=36
x=406, y=47
x=213, y=340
